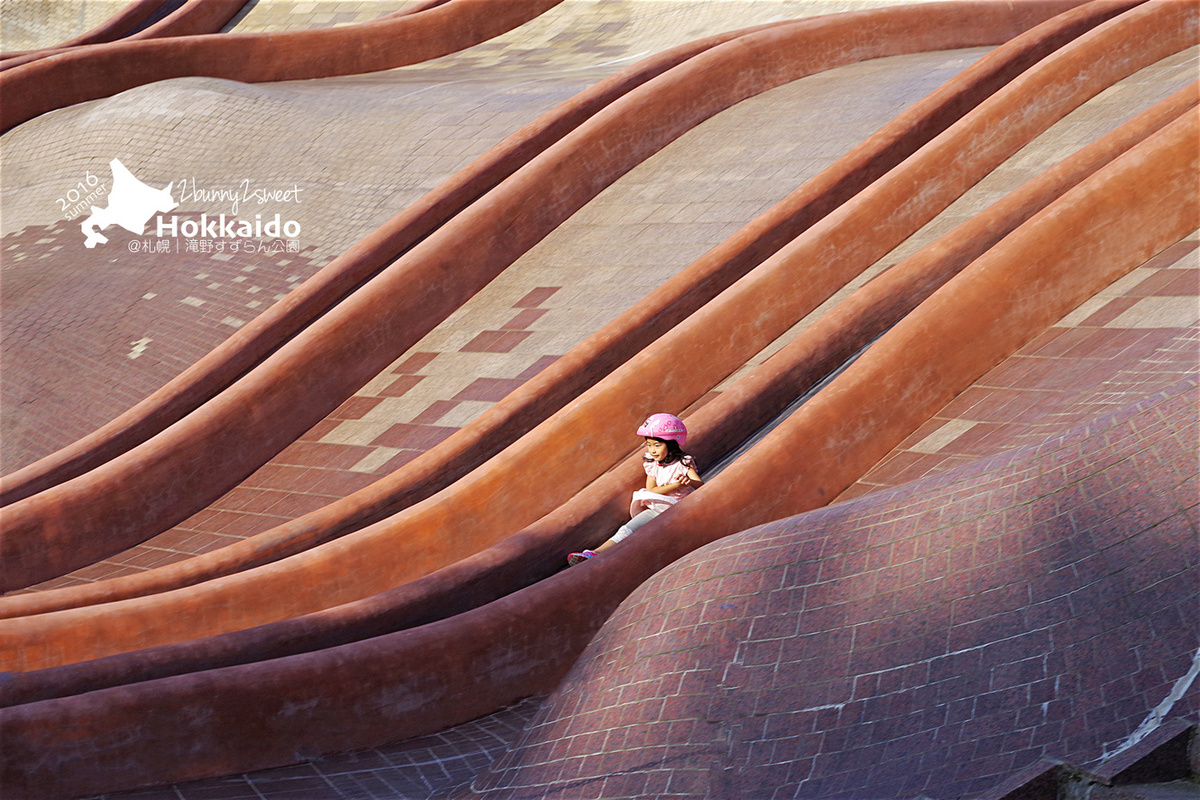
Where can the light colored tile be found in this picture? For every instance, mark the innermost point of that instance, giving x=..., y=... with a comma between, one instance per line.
x=482, y=365
x=1160, y=312
x=943, y=436
x=1085, y=310
x=1121, y=285
x=375, y=460
x=357, y=431
x=391, y=410
x=464, y=413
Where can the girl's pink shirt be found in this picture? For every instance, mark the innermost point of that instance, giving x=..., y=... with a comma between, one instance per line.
x=663, y=474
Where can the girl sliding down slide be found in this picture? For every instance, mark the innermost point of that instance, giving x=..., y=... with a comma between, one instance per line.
x=670, y=476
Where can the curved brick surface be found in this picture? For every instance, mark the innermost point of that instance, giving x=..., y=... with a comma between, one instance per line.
x=190, y=18
x=32, y=25
x=479, y=579
x=232, y=521
x=360, y=323
x=102, y=70
x=167, y=136
x=448, y=379
x=1113, y=368
x=188, y=302
x=926, y=640
x=376, y=570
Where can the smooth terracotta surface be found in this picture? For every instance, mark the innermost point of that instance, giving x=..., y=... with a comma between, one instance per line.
x=250, y=344
x=388, y=553
x=132, y=497
x=536, y=552
x=318, y=294
x=603, y=351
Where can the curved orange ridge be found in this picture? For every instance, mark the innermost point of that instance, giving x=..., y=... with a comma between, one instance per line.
x=314, y=404
x=250, y=344
x=426, y=679
x=482, y=506
x=253, y=342
x=145, y=491
x=103, y=70
x=610, y=346
x=192, y=18
x=588, y=518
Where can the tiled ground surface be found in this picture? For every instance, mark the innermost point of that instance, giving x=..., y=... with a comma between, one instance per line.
x=1093, y=119
x=573, y=32
x=204, y=135
x=971, y=550
x=922, y=641
x=31, y=24
x=1134, y=336
x=980, y=531
x=636, y=234
x=668, y=211
x=264, y=16
x=108, y=326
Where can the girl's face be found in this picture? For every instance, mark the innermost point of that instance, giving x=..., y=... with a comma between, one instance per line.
x=656, y=448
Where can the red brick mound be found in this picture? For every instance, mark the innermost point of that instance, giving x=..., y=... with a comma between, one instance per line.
x=929, y=639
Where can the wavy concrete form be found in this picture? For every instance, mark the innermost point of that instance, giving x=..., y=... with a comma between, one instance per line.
x=192, y=18
x=542, y=628
x=604, y=350
x=283, y=320
x=355, y=267
x=155, y=19
x=1165, y=165
x=366, y=554
x=251, y=343
x=132, y=497
x=1187, y=137
x=535, y=553
x=133, y=15
x=105, y=69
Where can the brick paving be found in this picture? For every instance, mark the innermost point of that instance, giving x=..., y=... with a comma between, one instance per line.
x=28, y=25
x=974, y=551
x=1134, y=336
x=271, y=16
x=963, y=655
x=927, y=640
x=1093, y=119
x=639, y=232
x=207, y=136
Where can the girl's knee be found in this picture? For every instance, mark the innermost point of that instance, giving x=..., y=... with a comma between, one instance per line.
x=621, y=533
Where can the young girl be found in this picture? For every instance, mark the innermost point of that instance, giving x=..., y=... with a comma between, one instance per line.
x=670, y=476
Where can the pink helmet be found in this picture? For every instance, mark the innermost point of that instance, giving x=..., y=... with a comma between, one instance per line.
x=664, y=426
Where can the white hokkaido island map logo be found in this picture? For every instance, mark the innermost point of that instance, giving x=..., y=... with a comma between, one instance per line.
x=131, y=204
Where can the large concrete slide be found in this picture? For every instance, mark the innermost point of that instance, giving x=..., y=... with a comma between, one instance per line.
x=436, y=594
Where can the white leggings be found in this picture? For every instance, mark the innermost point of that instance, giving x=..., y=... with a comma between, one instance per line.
x=635, y=523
